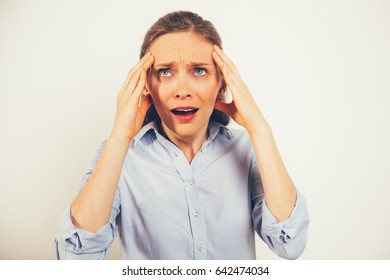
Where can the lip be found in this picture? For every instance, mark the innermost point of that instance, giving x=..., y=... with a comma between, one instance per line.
x=185, y=117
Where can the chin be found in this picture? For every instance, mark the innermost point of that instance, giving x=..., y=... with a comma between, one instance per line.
x=186, y=129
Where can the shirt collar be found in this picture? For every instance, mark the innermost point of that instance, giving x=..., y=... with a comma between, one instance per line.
x=215, y=129
x=145, y=130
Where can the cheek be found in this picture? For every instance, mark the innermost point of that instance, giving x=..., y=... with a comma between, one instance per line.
x=208, y=89
x=160, y=90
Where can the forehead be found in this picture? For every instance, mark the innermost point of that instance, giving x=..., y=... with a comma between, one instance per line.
x=181, y=47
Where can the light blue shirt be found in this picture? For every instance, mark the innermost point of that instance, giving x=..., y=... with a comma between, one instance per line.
x=167, y=208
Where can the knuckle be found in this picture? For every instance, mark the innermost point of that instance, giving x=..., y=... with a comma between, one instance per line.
x=231, y=63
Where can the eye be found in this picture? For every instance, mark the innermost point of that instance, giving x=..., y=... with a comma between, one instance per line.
x=164, y=72
x=200, y=71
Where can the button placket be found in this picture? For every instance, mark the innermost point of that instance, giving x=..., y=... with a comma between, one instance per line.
x=197, y=226
x=196, y=223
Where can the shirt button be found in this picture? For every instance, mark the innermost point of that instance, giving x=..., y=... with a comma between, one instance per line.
x=200, y=247
x=195, y=213
x=191, y=182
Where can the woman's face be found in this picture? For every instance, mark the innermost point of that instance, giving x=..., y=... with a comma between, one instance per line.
x=184, y=83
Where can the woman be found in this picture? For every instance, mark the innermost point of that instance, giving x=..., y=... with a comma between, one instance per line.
x=173, y=179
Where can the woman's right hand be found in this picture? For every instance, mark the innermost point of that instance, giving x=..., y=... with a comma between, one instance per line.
x=130, y=114
x=91, y=209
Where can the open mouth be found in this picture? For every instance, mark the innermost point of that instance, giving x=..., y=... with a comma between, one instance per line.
x=184, y=111
x=184, y=114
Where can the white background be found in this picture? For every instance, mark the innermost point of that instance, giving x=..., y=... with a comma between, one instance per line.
x=319, y=71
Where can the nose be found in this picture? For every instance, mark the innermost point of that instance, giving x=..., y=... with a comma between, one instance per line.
x=182, y=89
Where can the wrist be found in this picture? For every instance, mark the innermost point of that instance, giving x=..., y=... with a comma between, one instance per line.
x=260, y=129
x=119, y=139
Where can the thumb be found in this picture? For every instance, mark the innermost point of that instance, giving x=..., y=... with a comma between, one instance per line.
x=224, y=107
x=146, y=103
x=142, y=110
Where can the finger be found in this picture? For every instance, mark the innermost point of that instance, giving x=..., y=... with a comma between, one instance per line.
x=139, y=64
x=228, y=64
x=136, y=68
x=223, y=56
x=229, y=76
x=228, y=69
x=132, y=83
x=134, y=79
x=146, y=65
x=139, y=89
x=218, y=60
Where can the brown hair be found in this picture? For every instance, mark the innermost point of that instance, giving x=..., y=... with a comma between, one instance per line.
x=182, y=21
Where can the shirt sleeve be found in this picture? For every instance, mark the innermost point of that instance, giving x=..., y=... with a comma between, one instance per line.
x=75, y=243
x=286, y=238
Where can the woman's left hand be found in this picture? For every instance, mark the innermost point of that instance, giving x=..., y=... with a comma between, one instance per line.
x=278, y=188
x=243, y=109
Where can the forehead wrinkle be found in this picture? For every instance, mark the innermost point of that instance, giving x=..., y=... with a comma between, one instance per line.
x=181, y=58
x=174, y=64
x=174, y=50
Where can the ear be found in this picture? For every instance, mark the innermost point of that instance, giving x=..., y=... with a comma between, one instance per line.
x=146, y=90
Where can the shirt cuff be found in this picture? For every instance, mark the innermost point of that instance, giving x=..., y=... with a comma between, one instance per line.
x=286, y=230
x=81, y=241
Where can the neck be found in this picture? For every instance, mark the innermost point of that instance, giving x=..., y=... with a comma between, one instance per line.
x=189, y=145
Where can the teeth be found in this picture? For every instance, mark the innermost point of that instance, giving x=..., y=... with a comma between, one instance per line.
x=184, y=111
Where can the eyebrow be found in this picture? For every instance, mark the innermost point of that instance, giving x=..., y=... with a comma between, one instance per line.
x=193, y=64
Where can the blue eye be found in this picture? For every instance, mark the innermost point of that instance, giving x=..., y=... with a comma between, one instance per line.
x=200, y=71
x=164, y=72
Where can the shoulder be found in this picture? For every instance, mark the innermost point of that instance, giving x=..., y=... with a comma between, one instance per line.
x=234, y=137
x=235, y=133
x=234, y=145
